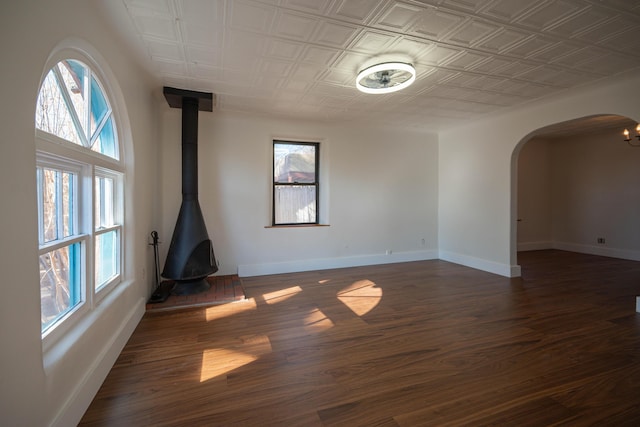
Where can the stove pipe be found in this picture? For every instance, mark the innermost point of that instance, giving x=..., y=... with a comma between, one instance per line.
x=190, y=258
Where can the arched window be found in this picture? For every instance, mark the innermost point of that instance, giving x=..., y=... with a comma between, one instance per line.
x=80, y=193
x=73, y=106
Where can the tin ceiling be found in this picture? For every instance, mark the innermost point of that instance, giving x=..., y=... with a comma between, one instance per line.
x=299, y=58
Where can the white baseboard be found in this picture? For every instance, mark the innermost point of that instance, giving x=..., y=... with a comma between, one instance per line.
x=247, y=270
x=77, y=403
x=535, y=246
x=598, y=250
x=505, y=270
x=481, y=264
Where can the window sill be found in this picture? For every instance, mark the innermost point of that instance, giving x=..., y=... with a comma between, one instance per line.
x=297, y=226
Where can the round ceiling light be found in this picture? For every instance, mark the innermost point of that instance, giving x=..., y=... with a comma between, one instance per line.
x=386, y=78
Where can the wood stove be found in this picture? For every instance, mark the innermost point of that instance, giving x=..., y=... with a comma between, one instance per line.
x=190, y=258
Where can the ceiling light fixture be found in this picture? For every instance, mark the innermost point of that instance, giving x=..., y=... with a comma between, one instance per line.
x=386, y=77
x=628, y=138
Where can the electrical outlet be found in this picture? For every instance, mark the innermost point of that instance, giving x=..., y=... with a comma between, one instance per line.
x=601, y=240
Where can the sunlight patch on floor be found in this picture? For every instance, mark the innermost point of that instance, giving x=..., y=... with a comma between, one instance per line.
x=281, y=295
x=317, y=321
x=220, y=361
x=230, y=309
x=361, y=296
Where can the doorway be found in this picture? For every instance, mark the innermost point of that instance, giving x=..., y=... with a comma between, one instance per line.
x=575, y=188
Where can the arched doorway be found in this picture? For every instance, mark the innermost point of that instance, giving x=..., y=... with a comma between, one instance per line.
x=575, y=187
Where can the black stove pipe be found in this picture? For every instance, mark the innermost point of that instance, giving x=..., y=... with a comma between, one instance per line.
x=189, y=149
x=190, y=258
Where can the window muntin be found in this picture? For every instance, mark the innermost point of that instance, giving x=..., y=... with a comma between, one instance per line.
x=295, y=182
x=80, y=224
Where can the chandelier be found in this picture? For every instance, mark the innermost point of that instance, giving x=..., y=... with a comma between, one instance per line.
x=629, y=139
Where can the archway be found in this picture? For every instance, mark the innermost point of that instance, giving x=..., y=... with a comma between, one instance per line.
x=584, y=177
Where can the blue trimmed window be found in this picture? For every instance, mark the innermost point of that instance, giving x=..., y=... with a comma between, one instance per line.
x=79, y=189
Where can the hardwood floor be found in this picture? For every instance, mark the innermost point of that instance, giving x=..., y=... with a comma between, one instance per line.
x=421, y=343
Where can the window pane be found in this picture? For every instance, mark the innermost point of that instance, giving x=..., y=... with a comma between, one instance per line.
x=294, y=163
x=105, y=142
x=57, y=203
x=104, y=202
x=295, y=204
x=74, y=76
x=59, y=283
x=52, y=114
x=68, y=200
x=99, y=106
x=50, y=204
x=84, y=116
x=107, y=250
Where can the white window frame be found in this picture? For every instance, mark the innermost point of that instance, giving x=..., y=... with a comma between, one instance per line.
x=118, y=211
x=46, y=160
x=57, y=153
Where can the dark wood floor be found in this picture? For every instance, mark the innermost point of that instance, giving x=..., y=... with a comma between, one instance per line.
x=422, y=343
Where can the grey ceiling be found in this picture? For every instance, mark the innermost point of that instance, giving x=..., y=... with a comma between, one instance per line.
x=299, y=58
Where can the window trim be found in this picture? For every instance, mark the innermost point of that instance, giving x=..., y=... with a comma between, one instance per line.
x=315, y=184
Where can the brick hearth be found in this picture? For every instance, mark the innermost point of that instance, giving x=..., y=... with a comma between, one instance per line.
x=224, y=289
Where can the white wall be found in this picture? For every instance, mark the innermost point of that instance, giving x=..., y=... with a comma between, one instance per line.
x=379, y=192
x=573, y=190
x=54, y=390
x=478, y=166
x=597, y=194
x=534, y=196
